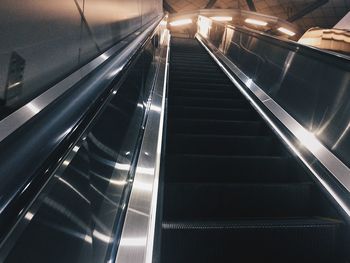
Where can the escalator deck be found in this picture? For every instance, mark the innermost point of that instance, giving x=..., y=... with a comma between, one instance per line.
x=232, y=192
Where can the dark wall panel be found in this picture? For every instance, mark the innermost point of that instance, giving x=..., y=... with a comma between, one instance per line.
x=45, y=34
x=55, y=37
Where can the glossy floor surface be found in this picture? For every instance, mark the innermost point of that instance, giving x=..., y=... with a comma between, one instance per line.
x=232, y=192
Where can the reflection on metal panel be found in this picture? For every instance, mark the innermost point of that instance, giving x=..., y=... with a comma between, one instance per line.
x=57, y=37
x=45, y=34
x=56, y=126
x=14, y=79
x=279, y=114
x=78, y=215
x=311, y=85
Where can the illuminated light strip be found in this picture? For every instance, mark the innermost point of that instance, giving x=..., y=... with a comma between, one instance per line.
x=255, y=22
x=336, y=197
x=222, y=18
x=286, y=31
x=181, y=22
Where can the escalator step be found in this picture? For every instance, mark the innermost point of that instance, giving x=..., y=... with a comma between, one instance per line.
x=212, y=113
x=217, y=127
x=193, y=60
x=180, y=66
x=223, y=201
x=224, y=145
x=197, y=75
x=202, y=86
x=274, y=241
x=232, y=169
x=205, y=93
x=202, y=79
x=205, y=102
x=184, y=72
x=205, y=80
x=201, y=71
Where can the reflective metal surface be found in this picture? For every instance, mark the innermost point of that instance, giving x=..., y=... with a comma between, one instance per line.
x=307, y=140
x=40, y=143
x=28, y=111
x=136, y=244
x=78, y=215
x=311, y=85
x=55, y=38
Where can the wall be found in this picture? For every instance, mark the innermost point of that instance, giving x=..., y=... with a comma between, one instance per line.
x=46, y=40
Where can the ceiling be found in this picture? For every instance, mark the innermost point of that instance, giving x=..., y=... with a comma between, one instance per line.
x=304, y=13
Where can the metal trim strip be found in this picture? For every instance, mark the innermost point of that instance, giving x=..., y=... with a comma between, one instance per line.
x=136, y=243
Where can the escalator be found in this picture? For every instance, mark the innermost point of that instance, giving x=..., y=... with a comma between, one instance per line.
x=120, y=172
x=232, y=191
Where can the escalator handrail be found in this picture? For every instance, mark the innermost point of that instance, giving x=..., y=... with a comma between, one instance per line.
x=30, y=154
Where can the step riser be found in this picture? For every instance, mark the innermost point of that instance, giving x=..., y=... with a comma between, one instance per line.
x=273, y=245
x=185, y=86
x=216, y=169
x=224, y=145
x=235, y=201
x=218, y=128
x=205, y=94
x=197, y=102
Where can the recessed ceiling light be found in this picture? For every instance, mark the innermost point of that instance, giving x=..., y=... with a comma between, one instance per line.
x=222, y=18
x=255, y=22
x=181, y=22
x=286, y=31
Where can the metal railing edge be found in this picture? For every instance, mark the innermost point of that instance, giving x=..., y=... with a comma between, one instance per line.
x=137, y=240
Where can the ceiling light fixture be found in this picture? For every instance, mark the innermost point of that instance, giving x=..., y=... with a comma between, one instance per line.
x=181, y=22
x=222, y=18
x=255, y=22
x=286, y=31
